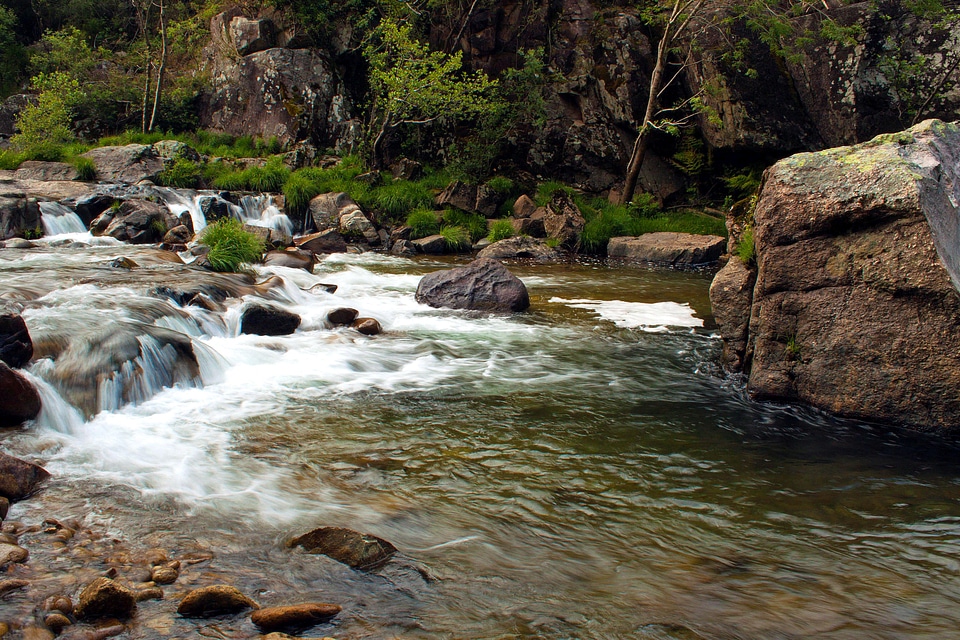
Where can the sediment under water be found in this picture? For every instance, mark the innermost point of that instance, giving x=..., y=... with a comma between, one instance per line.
x=582, y=470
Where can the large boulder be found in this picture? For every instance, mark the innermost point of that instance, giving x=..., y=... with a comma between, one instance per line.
x=329, y=241
x=520, y=247
x=19, y=478
x=483, y=285
x=327, y=208
x=563, y=220
x=356, y=226
x=730, y=294
x=140, y=222
x=19, y=400
x=37, y=170
x=250, y=36
x=16, y=347
x=357, y=550
x=130, y=163
x=856, y=307
x=668, y=248
x=19, y=214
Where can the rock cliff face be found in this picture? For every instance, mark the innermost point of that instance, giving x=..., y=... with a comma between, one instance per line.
x=856, y=307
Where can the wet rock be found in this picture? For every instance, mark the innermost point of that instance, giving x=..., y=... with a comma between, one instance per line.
x=180, y=234
x=267, y=320
x=12, y=554
x=294, y=617
x=56, y=622
x=215, y=600
x=521, y=247
x=150, y=593
x=16, y=347
x=403, y=248
x=141, y=222
x=357, y=550
x=123, y=263
x=92, y=206
x=60, y=603
x=8, y=586
x=367, y=326
x=668, y=248
x=328, y=241
x=342, y=316
x=4, y=508
x=37, y=633
x=129, y=164
x=483, y=285
x=432, y=245
x=329, y=288
x=270, y=237
x=104, y=598
x=355, y=225
x=19, y=400
x=730, y=294
x=19, y=243
x=37, y=170
x=19, y=214
x=166, y=574
x=292, y=258
x=214, y=207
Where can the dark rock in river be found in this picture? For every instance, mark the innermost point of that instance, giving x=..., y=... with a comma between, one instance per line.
x=367, y=326
x=16, y=347
x=19, y=478
x=357, y=550
x=520, y=247
x=267, y=320
x=668, y=248
x=104, y=598
x=294, y=617
x=214, y=600
x=328, y=241
x=18, y=214
x=180, y=234
x=92, y=206
x=483, y=285
x=291, y=258
x=432, y=245
x=343, y=315
x=19, y=400
x=141, y=222
x=856, y=308
x=730, y=294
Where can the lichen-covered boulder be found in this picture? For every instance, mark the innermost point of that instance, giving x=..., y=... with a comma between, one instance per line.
x=482, y=285
x=856, y=307
x=668, y=248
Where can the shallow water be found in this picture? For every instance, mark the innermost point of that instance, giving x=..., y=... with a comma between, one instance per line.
x=582, y=470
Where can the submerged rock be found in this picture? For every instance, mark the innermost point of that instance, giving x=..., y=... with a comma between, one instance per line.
x=856, y=307
x=19, y=478
x=294, y=617
x=483, y=285
x=357, y=550
x=215, y=600
x=267, y=320
x=668, y=248
x=16, y=347
x=19, y=400
x=12, y=554
x=105, y=598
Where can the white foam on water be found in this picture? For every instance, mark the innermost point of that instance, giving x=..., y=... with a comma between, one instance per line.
x=180, y=201
x=648, y=316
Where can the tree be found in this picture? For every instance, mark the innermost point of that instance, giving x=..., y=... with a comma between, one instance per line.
x=411, y=85
x=681, y=23
x=47, y=122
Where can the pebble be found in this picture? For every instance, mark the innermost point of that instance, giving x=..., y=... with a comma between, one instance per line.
x=215, y=600
x=37, y=633
x=11, y=553
x=56, y=622
x=6, y=586
x=151, y=593
x=60, y=603
x=299, y=616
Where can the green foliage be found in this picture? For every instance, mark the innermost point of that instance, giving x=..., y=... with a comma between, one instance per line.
x=66, y=51
x=456, y=238
x=474, y=224
x=746, y=248
x=9, y=159
x=271, y=177
x=86, y=169
x=742, y=185
x=230, y=246
x=546, y=191
x=398, y=198
x=220, y=145
x=48, y=121
x=501, y=230
x=298, y=191
x=553, y=243
x=182, y=174
x=501, y=184
x=422, y=223
x=13, y=56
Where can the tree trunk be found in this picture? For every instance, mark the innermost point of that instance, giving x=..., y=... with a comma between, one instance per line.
x=379, y=152
x=162, y=67
x=144, y=18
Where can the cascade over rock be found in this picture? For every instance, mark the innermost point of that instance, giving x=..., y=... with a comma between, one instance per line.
x=856, y=307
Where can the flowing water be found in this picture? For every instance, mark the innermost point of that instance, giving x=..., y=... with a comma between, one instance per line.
x=582, y=470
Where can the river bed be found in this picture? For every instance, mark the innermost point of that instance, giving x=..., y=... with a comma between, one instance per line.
x=581, y=470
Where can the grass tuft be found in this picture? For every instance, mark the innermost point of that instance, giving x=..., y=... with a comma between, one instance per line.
x=501, y=230
x=457, y=238
x=182, y=174
x=422, y=223
x=230, y=246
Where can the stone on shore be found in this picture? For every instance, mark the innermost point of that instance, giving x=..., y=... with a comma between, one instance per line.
x=668, y=248
x=354, y=549
x=482, y=285
x=215, y=600
x=12, y=554
x=129, y=164
x=294, y=617
x=45, y=171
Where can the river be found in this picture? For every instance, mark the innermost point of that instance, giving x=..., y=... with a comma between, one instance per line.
x=581, y=470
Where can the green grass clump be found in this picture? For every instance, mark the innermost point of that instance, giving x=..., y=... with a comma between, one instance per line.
x=746, y=248
x=182, y=174
x=397, y=199
x=435, y=180
x=456, y=238
x=298, y=191
x=269, y=177
x=86, y=169
x=206, y=142
x=230, y=246
x=501, y=230
x=422, y=223
x=10, y=159
x=547, y=190
x=229, y=180
x=474, y=224
x=501, y=184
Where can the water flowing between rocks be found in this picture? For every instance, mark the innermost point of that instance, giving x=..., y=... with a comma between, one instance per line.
x=582, y=470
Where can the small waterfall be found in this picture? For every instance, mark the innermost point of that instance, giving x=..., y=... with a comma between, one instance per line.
x=180, y=201
x=261, y=211
x=58, y=219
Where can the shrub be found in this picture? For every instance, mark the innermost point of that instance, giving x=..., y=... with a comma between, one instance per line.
x=546, y=191
x=49, y=119
x=422, y=223
x=474, y=224
x=10, y=159
x=501, y=184
x=399, y=198
x=86, y=169
x=298, y=191
x=501, y=230
x=457, y=238
x=230, y=246
x=182, y=174
x=746, y=248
